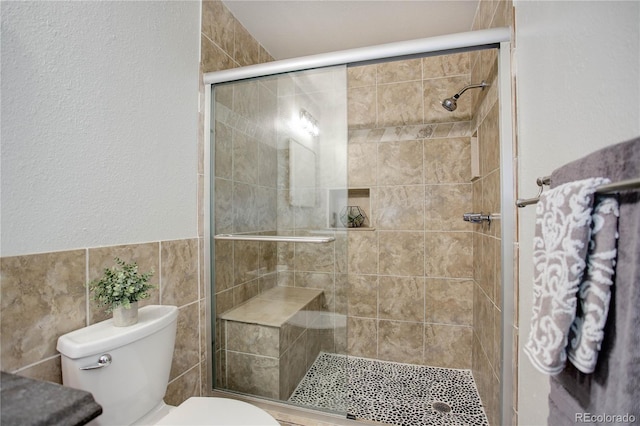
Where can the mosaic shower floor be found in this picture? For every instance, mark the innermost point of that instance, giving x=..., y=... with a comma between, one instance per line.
x=389, y=392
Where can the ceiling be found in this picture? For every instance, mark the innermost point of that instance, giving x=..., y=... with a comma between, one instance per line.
x=294, y=28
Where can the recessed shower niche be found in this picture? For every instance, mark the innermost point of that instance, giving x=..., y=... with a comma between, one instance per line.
x=350, y=209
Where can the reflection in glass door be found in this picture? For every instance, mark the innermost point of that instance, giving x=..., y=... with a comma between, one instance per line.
x=279, y=253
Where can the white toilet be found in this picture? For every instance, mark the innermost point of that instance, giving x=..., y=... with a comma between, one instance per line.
x=127, y=371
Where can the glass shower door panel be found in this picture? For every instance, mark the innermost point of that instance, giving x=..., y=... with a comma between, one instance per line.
x=280, y=169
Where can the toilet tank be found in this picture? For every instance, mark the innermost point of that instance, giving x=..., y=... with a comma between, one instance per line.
x=135, y=381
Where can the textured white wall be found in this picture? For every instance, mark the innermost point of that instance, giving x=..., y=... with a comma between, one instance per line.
x=578, y=90
x=99, y=123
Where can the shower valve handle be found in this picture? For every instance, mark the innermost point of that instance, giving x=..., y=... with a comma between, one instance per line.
x=476, y=217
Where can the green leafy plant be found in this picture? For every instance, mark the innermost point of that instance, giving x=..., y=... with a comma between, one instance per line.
x=121, y=285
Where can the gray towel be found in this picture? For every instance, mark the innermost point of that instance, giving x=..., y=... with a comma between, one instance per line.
x=614, y=386
x=563, y=223
x=594, y=294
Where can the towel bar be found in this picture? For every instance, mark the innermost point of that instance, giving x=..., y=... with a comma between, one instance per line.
x=623, y=185
x=274, y=238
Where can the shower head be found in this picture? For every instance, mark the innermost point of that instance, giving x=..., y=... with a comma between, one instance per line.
x=450, y=104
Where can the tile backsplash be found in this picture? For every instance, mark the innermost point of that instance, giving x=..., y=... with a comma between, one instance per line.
x=44, y=296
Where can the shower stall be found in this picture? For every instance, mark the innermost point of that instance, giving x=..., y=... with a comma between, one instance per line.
x=343, y=276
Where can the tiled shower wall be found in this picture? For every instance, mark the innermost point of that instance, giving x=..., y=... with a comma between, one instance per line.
x=487, y=341
x=410, y=282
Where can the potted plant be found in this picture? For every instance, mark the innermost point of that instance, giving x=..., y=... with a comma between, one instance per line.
x=119, y=290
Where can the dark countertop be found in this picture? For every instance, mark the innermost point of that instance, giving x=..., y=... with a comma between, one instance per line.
x=27, y=402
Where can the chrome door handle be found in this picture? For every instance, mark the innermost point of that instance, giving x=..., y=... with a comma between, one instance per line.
x=103, y=361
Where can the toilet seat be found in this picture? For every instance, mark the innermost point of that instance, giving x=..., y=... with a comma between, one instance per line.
x=217, y=412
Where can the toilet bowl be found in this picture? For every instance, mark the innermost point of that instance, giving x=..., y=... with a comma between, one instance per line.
x=127, y=371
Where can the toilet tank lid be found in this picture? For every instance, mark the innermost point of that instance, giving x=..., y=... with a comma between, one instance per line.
x=104, y=336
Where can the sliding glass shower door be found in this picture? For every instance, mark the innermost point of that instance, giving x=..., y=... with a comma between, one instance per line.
x=279, y=255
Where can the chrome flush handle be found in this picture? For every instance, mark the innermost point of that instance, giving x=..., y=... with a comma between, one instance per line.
x=103, y=361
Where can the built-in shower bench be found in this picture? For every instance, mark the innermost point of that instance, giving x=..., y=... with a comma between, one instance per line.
x=271, y=340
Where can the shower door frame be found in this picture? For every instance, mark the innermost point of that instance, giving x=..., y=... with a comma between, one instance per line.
x=452, y=43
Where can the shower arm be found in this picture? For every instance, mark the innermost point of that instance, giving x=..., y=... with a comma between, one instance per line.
x=471, y=86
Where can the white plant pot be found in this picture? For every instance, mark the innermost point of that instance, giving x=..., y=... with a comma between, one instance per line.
x=123, y=317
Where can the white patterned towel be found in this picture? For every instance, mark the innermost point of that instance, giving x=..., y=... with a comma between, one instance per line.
x=563, y=221
x=587, y=330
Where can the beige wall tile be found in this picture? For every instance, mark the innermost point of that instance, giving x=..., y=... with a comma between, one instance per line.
x=401, y=253
x=179, y=272
x=246, y=261
x=256, y=375
x=267, y=165
x=400, y=163
x=320, y=280
x=399, y=104
x=213, y=57
x=399, y=207
x=186, y=353
x=253, y=339
x=449, y=301
x=491, y=196
x=224, y=206
x=400, y=341
x=183, y=387
x=489, y=142
x=294, y=363
x=268, y=257
x=43, y=297
x=217, y=24
x=447, y=346
x=362, y=164
x=245, y=158
x=401, y=298
x=397, y=71
x=363, y=252
x=363, y=295
x=365, y=135
x=361, y=76
x=445, y=205
x=314, y=257
x=246, y=49
x=361, y=107
x=487, y=266
x=49, y=370
x=447, y=160
x=362, y=337
x=449, y=254
x=446, y=65
x=484, y=324
x=245, y=291
x=246, y=102
x=223, y=265
x=223, y=151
